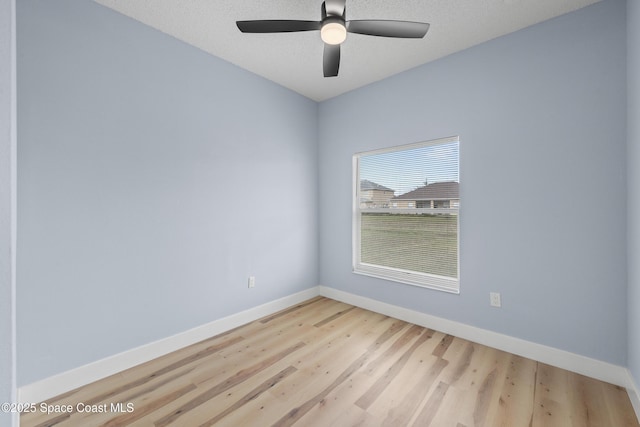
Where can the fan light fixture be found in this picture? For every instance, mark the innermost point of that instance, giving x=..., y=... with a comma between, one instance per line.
x=333, y=32
x=334, y=28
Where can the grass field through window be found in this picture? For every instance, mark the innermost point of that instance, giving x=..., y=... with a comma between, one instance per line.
x=423, y=243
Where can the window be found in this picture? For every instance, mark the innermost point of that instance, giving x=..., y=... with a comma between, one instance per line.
x=412, y=234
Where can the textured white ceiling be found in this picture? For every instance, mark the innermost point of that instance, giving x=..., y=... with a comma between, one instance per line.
x=294, y=60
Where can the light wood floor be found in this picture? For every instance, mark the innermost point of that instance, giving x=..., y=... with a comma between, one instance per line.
x=326, y=363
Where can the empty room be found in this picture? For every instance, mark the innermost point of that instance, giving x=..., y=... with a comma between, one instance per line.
x=339, y=213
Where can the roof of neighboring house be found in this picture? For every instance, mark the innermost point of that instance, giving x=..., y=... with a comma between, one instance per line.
x=436, y=191
x=368, y=185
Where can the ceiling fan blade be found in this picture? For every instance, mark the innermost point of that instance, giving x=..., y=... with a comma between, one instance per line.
x=334, y=7
x=277, y=26
x=331, y=60
x=385, y=28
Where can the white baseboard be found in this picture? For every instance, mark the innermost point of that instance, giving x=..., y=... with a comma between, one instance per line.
x=593, y=368
x=66, y=381
x=634, y=396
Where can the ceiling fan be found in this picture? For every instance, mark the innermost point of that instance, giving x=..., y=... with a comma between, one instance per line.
x=333, y=29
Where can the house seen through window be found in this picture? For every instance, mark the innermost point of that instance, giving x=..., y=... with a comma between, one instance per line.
x=405, y=222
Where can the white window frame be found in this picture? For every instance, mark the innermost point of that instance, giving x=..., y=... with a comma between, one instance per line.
x=409, y=277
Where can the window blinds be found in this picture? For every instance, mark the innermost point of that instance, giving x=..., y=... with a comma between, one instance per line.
x=406, y=206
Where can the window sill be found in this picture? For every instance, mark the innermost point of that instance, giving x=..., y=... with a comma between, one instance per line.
x=429, y=281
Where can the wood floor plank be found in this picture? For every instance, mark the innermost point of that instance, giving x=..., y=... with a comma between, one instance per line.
x=352, y=417
x=319, y=369
x=185, y=361
x=280, y=376
x=459, y=361
x=254, y=347
x=406, y=407
x=328, y=340
x=410, y=388
x=554, y=403
x=332, y=409
x=515, y=404
x=298, y=412
x=295, y=308
x=456, y=408
x=333, y=317
x=383, y=382
x=339, y=401
x=327, y=363
x=443, y=346
x=431, y=407
x=240, y=376
x=616, y=399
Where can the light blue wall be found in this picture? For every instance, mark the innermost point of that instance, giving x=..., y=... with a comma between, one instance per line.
x=7, y=168
x=541, y=119
x=633, y=173
x=153, y=179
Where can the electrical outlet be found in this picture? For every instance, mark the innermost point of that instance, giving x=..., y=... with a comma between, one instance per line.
x=252, y=281
x=494, y=299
